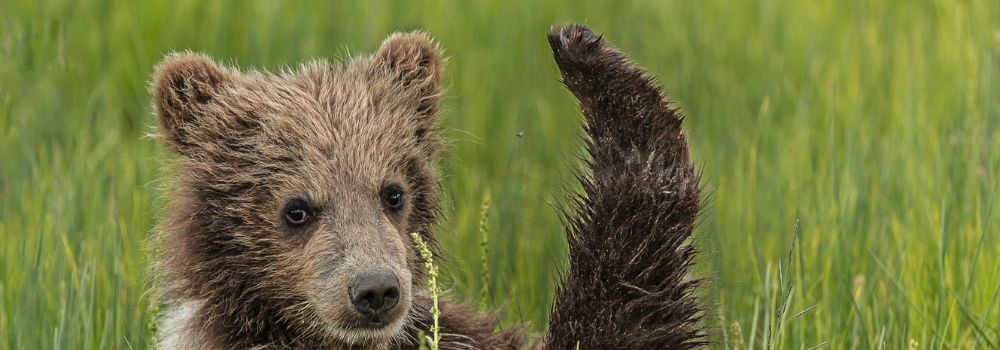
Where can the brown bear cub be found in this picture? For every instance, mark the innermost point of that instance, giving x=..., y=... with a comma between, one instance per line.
x=295, y=195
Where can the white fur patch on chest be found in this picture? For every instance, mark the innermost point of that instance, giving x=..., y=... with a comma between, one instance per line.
x=177, y=329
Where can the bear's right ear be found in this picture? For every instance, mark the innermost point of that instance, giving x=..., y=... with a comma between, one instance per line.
x=183, y=85
x=413, y=61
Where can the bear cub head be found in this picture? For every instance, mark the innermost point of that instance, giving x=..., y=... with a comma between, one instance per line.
x=295, y=194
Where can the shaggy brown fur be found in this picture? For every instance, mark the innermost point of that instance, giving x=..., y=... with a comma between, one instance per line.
x=335, y=136
x=626, y=287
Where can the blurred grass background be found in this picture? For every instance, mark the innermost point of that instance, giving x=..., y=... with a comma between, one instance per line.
x=876, y=123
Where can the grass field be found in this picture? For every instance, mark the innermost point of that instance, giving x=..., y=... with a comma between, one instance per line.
x=876, y=124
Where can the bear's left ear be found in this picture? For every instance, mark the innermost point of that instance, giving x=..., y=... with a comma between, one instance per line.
x=183, y=86
x=413, y=61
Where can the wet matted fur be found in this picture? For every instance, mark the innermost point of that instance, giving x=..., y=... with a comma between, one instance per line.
x=332, y=137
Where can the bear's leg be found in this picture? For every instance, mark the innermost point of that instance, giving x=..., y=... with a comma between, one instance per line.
x=626, y=287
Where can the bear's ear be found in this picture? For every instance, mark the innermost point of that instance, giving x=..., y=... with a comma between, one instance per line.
x=414, y=61
x=183, y=85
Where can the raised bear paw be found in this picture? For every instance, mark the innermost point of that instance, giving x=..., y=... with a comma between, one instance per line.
x=574, y=45
x=585, y=58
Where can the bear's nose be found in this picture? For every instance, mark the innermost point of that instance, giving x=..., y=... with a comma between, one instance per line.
x=374, y=293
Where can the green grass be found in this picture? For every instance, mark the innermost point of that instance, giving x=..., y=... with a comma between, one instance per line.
x=875, y=123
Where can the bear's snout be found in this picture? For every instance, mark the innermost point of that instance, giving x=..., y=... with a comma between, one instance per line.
x=374, y=293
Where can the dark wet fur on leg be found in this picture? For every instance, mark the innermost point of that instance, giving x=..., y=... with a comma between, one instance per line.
x=627, y=284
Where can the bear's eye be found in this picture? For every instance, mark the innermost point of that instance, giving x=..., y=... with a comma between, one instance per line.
x=297, y=213
x=392, y=197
